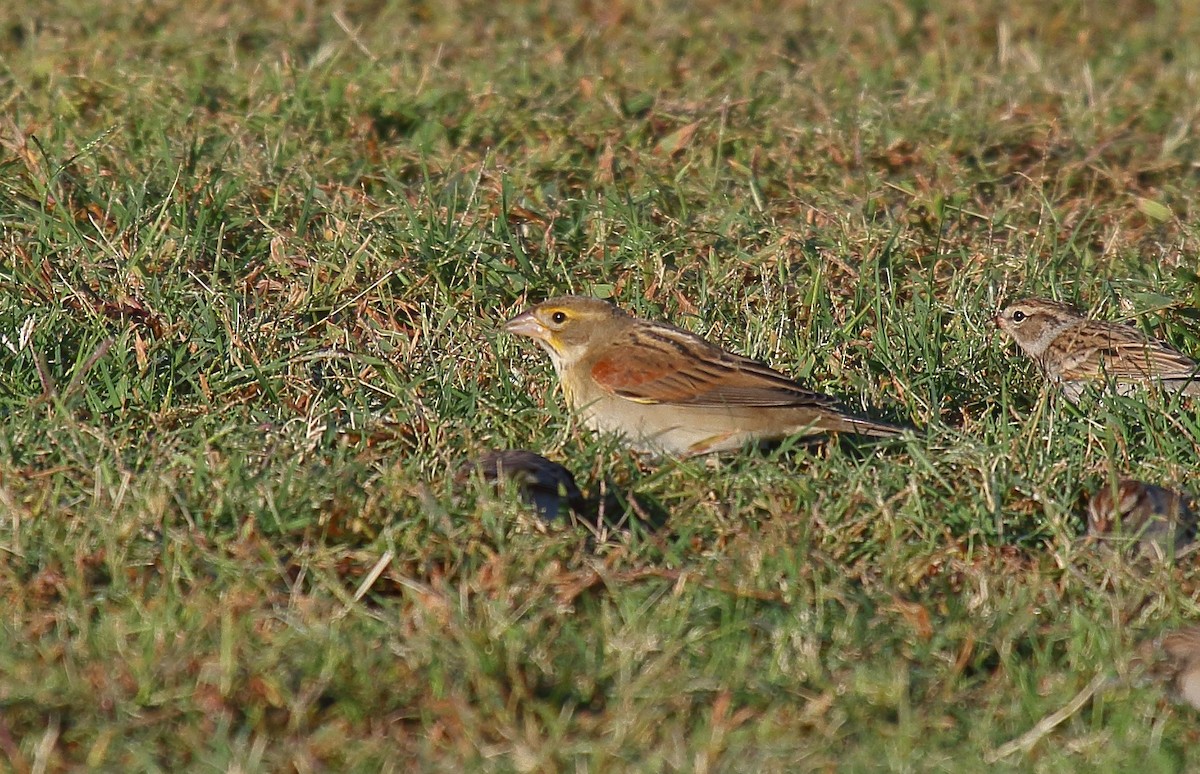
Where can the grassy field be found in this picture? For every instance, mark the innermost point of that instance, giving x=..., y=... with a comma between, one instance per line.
x=252, y=270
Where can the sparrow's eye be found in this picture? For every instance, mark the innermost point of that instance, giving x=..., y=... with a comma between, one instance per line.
x=558, y=318
x=1018, y=316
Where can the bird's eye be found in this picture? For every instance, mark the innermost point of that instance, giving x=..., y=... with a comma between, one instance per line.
x=1018, y=316
x=559, y=318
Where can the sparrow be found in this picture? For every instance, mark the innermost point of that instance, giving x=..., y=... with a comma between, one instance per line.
x=1175, y=659
x=1183, y=648
x=1073, y=351
x=547, y=486
x=1158, y=522
x=664, y=390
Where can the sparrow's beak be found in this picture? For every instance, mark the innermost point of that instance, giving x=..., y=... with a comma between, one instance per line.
x=525, y=324
x=996, y=321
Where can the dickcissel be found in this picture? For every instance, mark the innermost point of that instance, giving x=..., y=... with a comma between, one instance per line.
x=665, y=390
x=1073, y=351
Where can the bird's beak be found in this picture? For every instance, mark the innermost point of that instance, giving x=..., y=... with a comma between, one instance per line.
x=996, y=321
x=525, y=324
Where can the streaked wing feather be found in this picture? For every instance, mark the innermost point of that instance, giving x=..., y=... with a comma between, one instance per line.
x=660, y=365
x=1126, y=355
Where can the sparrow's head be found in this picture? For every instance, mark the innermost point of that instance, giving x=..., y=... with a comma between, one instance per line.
x=1112, y=507
x=1034, y=322
x=566, y=326
x=1157, y=520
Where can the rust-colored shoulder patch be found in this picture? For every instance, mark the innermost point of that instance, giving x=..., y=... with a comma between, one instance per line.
x=617, y=374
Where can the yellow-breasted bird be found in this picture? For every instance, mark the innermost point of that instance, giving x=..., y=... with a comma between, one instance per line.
x=666, y=390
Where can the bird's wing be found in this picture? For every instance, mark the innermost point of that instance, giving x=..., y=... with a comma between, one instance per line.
x=1123, y=354
x=661, y=364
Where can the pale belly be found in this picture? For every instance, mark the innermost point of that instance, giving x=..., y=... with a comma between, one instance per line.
x=674, y=430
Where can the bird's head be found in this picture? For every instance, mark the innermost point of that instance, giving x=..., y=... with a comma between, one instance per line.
x=566, y=326
x=1034, y=322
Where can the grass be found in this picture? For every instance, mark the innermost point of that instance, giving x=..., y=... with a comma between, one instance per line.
x=253, y=270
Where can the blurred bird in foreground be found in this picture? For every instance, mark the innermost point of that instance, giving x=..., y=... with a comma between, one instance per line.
x=551, y=489
x=1183, y=648
x=1174, y=658
x=1153, y=521
x=665, y=390
x=547, y=486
